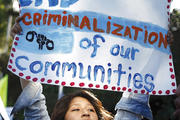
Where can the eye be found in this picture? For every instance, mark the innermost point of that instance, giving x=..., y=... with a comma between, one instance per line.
x=91, y=110
x=75, y=109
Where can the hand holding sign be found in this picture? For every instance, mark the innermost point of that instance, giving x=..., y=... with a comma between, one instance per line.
x=16, y=29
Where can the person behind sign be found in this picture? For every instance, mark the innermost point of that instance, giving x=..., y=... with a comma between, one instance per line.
x=131, y=106
x=75, y=106
x=81, y=104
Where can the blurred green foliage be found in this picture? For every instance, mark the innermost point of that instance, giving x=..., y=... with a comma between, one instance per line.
x=3, y=21
x=175, y=20
x=162, y=106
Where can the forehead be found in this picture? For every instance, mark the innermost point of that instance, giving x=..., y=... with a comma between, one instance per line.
x=80, y=101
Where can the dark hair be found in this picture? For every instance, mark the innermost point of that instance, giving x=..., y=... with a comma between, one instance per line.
x=62, y=106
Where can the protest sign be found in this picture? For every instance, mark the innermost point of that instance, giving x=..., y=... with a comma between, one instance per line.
x=118, y=45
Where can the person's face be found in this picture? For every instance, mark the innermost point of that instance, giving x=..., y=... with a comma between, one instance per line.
x=81, y=109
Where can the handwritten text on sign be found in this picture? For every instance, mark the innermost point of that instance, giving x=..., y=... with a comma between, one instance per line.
x=87, y=47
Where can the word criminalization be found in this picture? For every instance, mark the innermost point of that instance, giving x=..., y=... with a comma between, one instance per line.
x=142, y=33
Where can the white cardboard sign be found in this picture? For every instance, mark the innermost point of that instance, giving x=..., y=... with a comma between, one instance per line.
x=118, y=45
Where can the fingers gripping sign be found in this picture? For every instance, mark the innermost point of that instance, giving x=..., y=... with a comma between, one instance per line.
x=16, y=29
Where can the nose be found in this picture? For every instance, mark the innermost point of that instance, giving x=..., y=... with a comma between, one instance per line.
x=85, y=113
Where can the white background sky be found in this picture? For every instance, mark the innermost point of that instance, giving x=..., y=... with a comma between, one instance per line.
x=175, y=4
